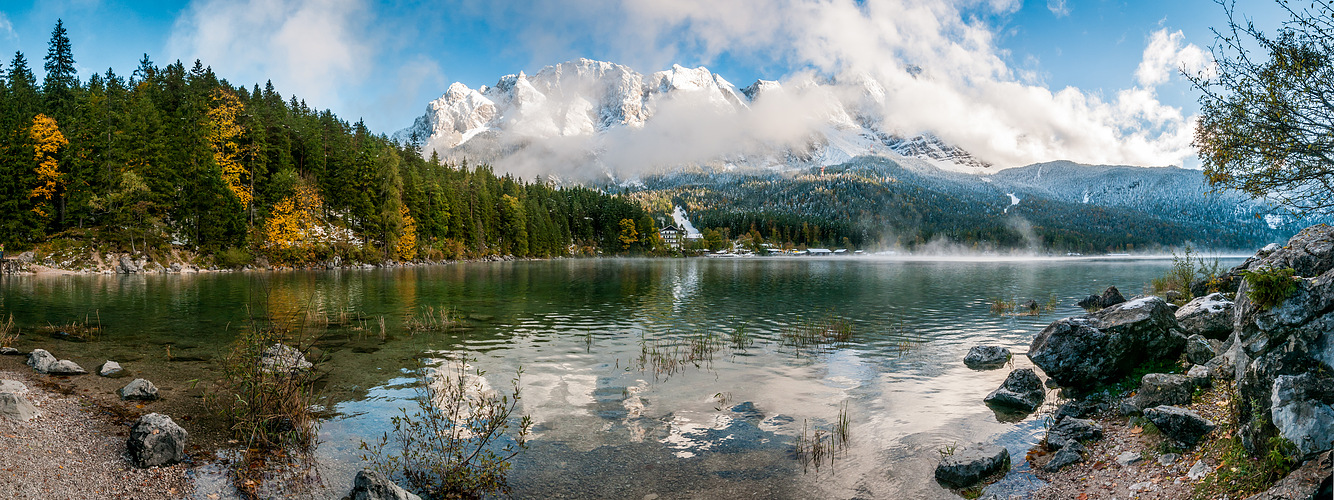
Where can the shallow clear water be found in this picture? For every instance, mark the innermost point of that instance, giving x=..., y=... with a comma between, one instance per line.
x=608, y=426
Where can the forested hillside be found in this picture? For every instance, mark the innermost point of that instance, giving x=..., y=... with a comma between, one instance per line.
x=177, y=157
x=873, y=202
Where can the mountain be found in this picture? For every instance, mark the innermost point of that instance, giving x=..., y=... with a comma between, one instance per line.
x=810, y=161
x=585, y=113
x=878, y=202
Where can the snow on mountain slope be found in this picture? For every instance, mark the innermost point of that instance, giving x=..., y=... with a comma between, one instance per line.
x=584, y=110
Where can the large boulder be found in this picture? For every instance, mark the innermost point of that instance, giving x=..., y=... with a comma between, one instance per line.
x=1157, y=389
x=971, y=465
x=1294, y=337
x=1209, y=316
x=987, y=357
x=281, y=358
x=1069, y=431
x=370, y=485
x=1022, y=390
x=1199, y=349
x=1083, y=351
x=1179, y=423
x=156, y=440
x=1301, y=411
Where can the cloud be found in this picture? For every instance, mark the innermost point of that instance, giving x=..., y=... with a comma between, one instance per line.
x=1059, y=8
x=7, y=27
x=965, y=92
x=317, y=49
x=1166, y=54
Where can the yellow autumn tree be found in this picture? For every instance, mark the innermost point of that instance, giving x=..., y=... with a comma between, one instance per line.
x=46, y=141
x=224, y=135
x=293, y=224
x=629, y=235
x=406, y=248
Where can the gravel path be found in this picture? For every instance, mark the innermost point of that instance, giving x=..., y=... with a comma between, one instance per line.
x=71, y=452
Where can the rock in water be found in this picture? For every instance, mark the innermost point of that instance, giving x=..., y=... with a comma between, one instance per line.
x=1299, y=414
x=1069, y=431
x=370, y=485
x=1209, y=316
x=280, y=358
x=1022, y=390
x=1179, y=423
x=156, y=440
x=1083, y=351
x=1157, y=389
x=987, y=357
x=971, y=465
x=41, y=360
x=15, y=406
x=110, y=369
x=1292, y=338
x=138, y=390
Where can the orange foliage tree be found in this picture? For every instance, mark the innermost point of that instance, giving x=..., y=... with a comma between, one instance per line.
x=293, y=224
x=47, y=140
x=224, y=135
x=406, y=248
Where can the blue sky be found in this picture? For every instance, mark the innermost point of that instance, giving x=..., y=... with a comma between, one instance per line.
x=382, y=61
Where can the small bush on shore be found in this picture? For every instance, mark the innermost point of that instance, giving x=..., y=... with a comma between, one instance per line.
x=266, y=409
x=1270, y=287
x=460, y=441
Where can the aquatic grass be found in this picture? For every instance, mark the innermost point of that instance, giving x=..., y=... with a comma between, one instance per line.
x=460, y=441
x=666, y=357
x=818, y=335
x=430, y=320
x=1001, y=306
x=843, y=426
x=76, y=331
x=8, y=332
x=817, y=447
x=740, y=336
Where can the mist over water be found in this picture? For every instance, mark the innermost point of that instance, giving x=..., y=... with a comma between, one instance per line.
x=607, y=425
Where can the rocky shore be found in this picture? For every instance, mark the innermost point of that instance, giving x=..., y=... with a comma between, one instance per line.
x=1228, y=395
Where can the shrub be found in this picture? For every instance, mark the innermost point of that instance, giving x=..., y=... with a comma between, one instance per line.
x=1270, y=287
x=265, y=409
x=459, y=442
x=233, y=258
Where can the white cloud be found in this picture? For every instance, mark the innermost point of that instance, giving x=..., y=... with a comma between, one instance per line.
x=1059, y=8
x=7, y=27
x=966, y=93
x=1166, y=54
x=317, y=49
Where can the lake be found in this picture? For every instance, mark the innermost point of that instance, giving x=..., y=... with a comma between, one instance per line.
x=611, y=420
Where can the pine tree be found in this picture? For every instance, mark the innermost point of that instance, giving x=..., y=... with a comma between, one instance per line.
x=61, y=79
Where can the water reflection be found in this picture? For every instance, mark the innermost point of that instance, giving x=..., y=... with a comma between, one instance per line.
x=605, y=428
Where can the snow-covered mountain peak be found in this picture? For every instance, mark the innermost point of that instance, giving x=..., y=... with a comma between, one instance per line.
x=705, y=120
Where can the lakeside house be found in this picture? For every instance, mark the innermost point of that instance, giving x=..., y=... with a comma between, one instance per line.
x=672, y=236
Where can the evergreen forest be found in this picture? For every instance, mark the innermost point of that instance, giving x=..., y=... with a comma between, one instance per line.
x=175, y=157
